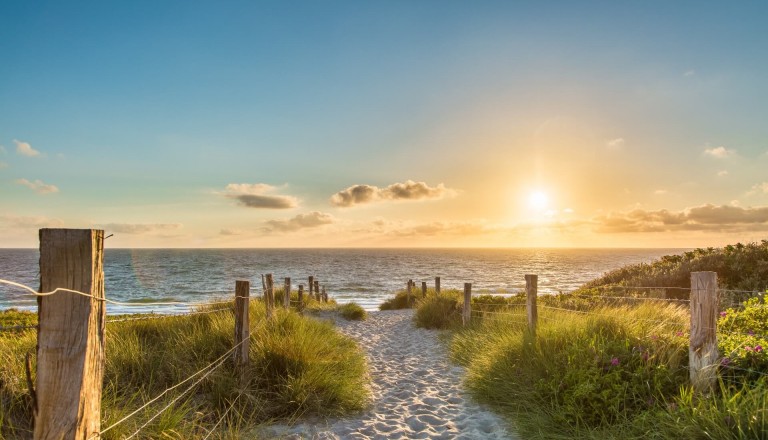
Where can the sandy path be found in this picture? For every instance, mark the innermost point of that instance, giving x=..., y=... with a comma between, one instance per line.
x=417, y=392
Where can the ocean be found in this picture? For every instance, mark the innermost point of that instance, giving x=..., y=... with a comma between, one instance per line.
x=365, y=276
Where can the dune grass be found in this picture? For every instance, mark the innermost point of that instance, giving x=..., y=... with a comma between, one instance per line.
x=352, y=312
x=299, y=366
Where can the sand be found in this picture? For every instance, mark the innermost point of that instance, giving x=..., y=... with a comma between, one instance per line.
x=416, y=391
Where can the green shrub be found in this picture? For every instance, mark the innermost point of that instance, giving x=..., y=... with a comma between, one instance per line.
x=352, y=311
x=743, y=342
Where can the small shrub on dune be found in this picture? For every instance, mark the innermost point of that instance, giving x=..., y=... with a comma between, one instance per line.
x=352, y=312
x=438, y=311
x=399, y=301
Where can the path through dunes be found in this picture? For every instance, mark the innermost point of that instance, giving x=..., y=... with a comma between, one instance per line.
x=417, y=392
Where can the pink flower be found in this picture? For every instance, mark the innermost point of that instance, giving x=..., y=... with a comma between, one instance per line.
x=748, y=348
x=614, y=361
x=758, y=348
x=723, y=314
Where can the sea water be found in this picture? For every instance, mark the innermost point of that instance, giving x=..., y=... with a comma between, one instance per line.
x=365, y=276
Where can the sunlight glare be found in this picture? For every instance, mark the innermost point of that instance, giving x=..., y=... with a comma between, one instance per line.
x=538, y=200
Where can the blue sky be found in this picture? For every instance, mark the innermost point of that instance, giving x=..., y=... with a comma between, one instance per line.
x=144, y=112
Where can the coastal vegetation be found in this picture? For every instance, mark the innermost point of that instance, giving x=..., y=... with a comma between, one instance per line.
x=352, y=311
x=609, y=362
x=298, y=366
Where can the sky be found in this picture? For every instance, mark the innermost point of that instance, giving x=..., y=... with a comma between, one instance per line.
x=385, y=123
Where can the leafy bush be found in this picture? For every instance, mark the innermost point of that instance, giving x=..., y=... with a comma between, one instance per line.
x=738, y=267
x=743, y=341
x=352, y=311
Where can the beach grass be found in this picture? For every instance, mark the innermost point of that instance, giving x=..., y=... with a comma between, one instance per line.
x=353, y=312
x=298, y=366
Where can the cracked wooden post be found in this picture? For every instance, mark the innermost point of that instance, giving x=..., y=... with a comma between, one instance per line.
x=287, y=293
x=311, y=287
x=317, y=291
x=437, y=285
x=702, y=354
x=467, y=313
x=70, y=336
x=242, y=328
x=532, y=292
x=324, y=295
x=423, y=289
x=269, y=296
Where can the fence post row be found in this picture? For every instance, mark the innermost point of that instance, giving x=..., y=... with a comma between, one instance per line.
x=532, y=292
x=242, y=327
x=702, y=352
x=70, y=338
x=467, y=315
x=287, y=293
x=269, y=297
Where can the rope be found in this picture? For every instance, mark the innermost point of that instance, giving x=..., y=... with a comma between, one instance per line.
x=144, y=318
x=632, y=297
x=212, y=366
x=223, y=416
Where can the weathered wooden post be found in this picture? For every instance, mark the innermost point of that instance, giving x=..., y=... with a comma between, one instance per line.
x=532, y=292
x=325, y=295
x=423, y=289
x=702, y=354
x=437, y=285
x=410, y=285
x=301, y=297
x=287, y=293
x=70, y=336
x=311, y=286
x=269, y=296
x=242, y=327
x=467, y=315
x=317, y=290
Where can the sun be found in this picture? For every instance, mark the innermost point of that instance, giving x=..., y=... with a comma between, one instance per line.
x=538, y=200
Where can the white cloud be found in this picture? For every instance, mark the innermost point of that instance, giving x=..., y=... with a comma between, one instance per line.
x=719, y=152
x=699, y=218
x=38, y=186
x=689, y=73
x=309, y=220
x=230, y=232
x=140, y=228
x=660, y=192
x=253, y=195
x=761, y=187
x=615, y=144
x=408, y=190
x=25, y=149
x=722, y=173
x=29, y=222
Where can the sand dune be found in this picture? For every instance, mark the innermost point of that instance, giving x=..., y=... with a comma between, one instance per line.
x=417, y=392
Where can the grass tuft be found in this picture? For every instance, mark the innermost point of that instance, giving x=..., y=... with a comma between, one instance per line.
x=352, y=312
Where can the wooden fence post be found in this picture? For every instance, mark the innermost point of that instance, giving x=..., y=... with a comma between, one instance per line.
x=287, y=293
x=423, y=289
x=311, y=286
x=702, y=352
x=325, y=295
x=437, y=285
x=301, y=297
x=242, y=328
x=532, y=292
x=70, y=336
x=269, y=296
x=317, y=290
x=467, y=315
x=408, y=289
